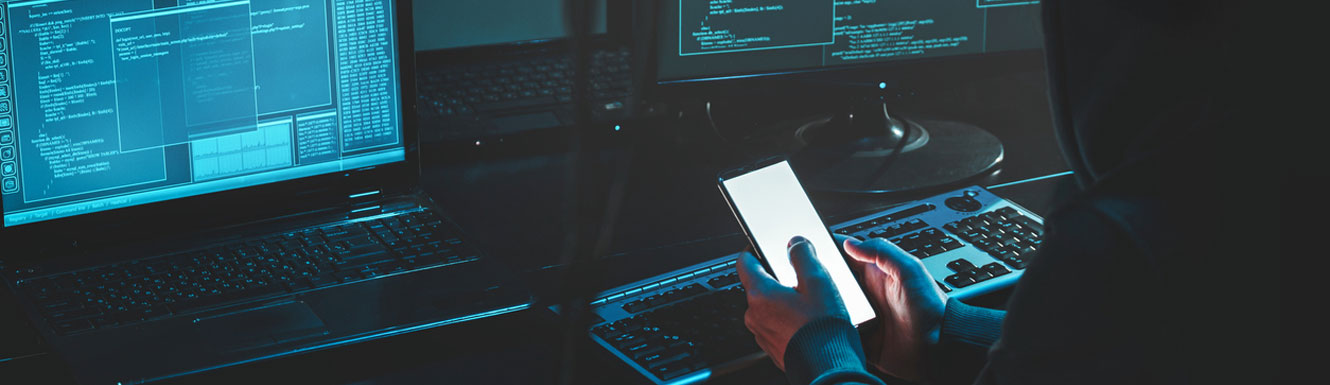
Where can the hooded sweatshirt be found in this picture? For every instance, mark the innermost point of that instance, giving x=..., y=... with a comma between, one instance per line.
x=1164, y=268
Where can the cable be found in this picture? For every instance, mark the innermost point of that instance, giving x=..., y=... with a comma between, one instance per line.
x=890, y=159
x=711, y=120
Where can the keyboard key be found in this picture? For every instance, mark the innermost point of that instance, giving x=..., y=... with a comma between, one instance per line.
x=322, y=280
x=949, y=243
x=154, y=312
x=635, y=306
x=655, y=300
x=960, y=265
x=724, y=280
x=81, y=312
x=979, y=275
x=58, y=303
x=214, y=300
x=358, y=262
x=671, y=369
x=102, y=321
x=960, y=280
x=996, y=269
x=72, y=326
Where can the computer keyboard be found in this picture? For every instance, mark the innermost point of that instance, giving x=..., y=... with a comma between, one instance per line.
x=466, y=91
x=972, y=240
x=296, y=261
x=687, y=325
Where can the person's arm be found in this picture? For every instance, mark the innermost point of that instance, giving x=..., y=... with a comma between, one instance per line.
x=969, y=325
x=966, y=334
x=827, y=351
x=805, y=329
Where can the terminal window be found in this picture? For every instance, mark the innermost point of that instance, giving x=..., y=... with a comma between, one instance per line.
x=709, y=38
x=124, y=102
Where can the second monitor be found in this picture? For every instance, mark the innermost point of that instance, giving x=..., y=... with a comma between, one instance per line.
x=851, y=54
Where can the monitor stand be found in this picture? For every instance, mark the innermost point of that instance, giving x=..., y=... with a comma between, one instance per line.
x=870, y=150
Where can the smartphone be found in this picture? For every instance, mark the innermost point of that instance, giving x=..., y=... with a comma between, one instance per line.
x=772, y=208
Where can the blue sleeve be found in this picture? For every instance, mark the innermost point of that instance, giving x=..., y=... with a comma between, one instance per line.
x=970, y=325
x=966, y=336
x=827, y=351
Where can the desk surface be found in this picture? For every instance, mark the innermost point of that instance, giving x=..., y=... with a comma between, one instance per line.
x=672, y=217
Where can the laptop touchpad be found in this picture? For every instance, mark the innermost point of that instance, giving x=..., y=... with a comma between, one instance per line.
x=260, y=327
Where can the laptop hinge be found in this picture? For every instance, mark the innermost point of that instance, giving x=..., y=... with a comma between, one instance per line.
x=364, y=204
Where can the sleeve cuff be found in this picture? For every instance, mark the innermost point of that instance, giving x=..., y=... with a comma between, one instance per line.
x=826, y=351
x=971, y=325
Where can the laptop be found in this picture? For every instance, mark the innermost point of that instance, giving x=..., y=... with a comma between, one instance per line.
x=194, y=186
x=496, y=72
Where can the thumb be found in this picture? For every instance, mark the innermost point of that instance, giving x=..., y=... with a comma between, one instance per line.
x=755, y=280
x=892, y=260
x=811, y=274
x=887, y=256
x=856, y=250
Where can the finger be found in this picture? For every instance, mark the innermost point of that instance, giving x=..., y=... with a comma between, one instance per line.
x=886, y=255
x=809, y=271
x=856, y=266
x=858, y=251
x=753, y=277
x=841, y=239
x=891, y=259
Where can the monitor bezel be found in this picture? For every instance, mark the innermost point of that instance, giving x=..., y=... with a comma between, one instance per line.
x=618, y=30
x=189, y=215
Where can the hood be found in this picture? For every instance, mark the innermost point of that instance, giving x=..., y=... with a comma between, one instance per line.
x=1133, y=80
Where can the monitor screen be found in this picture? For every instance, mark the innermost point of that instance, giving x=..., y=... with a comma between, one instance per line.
x=465, y=23
x=716, y=39
x=106, y=104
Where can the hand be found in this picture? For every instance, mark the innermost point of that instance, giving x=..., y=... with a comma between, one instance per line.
x=776, y=312
x=909, y=303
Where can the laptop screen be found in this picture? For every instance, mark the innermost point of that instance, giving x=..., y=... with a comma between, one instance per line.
x=106, y=104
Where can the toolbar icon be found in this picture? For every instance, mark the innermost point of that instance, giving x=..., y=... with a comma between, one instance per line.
x=6, y=138
x=7, y=153
x=4, y=89
x=10, y=185
x=5, y=122
x=9, y=169
x=4, y=106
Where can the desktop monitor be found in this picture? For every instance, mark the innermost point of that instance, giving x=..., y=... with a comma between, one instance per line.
x=852, y=47
x=113, y=104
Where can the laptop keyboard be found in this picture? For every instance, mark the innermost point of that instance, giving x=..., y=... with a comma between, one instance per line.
x=137, y=291
x=466, y=91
